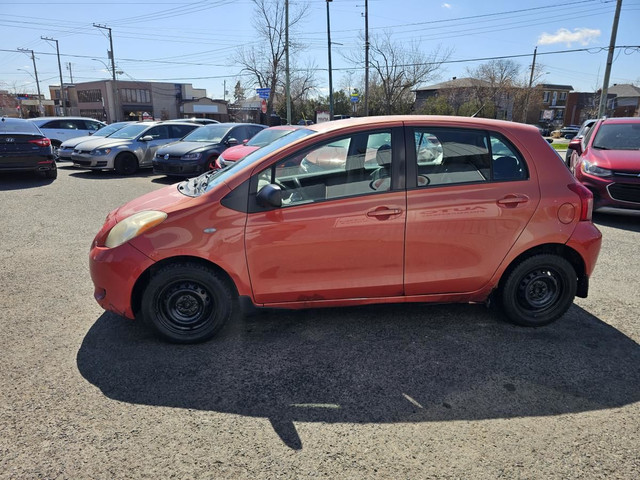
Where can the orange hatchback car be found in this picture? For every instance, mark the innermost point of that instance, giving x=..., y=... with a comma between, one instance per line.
x=369, y=210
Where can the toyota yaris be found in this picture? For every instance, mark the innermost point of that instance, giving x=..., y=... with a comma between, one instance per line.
x=497, y=216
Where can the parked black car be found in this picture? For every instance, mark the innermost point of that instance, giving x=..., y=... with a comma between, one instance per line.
x=23, y=147
x=197, y=152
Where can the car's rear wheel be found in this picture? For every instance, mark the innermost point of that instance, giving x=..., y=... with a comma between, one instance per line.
x=52, y=173
x=126, y=164
x=539, y=290
x=188, y=302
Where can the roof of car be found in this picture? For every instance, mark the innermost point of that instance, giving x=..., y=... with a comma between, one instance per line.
x=621, y=120
x=36, y=119
x=325, y=127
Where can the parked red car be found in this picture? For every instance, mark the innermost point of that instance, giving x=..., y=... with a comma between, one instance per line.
x=407, y=209
x=609, y=164
x=261, y=139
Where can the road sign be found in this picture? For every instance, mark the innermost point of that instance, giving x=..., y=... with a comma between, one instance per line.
x=264, y=106
x=263, y=92
x=355, y=98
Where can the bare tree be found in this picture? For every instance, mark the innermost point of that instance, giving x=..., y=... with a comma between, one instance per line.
x=265, y=59
x=497, y=95
x=397, y=70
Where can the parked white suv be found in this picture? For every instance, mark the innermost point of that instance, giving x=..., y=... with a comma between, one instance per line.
x=60, y=129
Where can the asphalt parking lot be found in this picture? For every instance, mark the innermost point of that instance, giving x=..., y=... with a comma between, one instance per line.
x=418, y=391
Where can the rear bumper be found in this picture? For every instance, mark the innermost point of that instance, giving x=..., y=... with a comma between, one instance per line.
x=586, y=239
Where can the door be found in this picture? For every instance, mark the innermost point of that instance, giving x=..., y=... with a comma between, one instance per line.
x=339, y=232
x=472, y=197
x=161, y=136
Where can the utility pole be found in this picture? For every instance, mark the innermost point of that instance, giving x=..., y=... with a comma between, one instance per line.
x=287, y=87
x=70, y=72
x=35, y=70
x=533, y=68
x=330, y=73
x=612, y=45
x=116, y=101
x=366, y=58
x=62, y=97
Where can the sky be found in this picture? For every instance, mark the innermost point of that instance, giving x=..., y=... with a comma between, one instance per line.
x=190, y=41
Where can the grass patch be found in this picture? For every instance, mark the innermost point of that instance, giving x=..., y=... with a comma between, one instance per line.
x=559, y=146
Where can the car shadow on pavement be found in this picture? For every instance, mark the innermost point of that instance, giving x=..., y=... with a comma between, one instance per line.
x=104, y=174
x=379, y=364
x=22, y=180
x=619, y=219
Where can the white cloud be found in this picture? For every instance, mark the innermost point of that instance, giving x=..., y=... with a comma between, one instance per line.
x=583, y=36
x=446, y=5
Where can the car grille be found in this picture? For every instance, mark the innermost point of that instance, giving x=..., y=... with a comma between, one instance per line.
x=625, y=192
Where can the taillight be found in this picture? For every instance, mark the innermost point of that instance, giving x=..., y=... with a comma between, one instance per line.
x=41, y=142
x=586, y=200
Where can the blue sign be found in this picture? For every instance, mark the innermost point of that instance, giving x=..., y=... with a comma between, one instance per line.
x=355, y=98
x=263, y=92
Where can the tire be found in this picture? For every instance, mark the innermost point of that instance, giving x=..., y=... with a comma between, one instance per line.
x=539, y=290
x=126, y=164
x=51, y=174
x=188, y=303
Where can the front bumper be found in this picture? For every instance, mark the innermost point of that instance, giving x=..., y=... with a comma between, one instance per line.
x=177, y=168
x=620, y=191
x=97, y=162
x=114, y=272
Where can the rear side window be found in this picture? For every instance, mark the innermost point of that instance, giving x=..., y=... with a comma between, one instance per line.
x=447, y=156
x=61, y=124
x=179, y=131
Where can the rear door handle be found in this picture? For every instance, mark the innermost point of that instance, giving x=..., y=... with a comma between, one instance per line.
x=512, y=200
x=384, y=212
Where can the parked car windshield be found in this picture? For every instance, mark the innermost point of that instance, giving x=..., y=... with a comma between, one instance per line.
x=208, y=134
x=267, y=136
x=618, y=136
x=109, y=129
x=256, y=156
x=127, y=133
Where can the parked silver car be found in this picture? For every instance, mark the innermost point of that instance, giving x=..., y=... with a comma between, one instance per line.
x=130, y=148
x=67, y=147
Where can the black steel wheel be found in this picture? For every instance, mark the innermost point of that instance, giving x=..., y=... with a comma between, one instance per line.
x=126, y=163
x=539, y=290
x=187, y=303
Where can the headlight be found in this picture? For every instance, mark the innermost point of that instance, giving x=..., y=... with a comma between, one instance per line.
x=133, y=226
x=101, y=151
x=191, y=156
x=593, y=169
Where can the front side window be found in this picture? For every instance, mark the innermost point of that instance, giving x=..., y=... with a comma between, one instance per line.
x=161, y=132
x=356, y=165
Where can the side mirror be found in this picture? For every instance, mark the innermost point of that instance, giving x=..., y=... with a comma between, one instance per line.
x=232, y=141
x=270, y=196
x=574, y=143
x=146, y=138
x=245, y=141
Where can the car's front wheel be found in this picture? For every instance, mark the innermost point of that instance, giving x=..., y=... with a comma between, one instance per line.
x=188, y=302
x=126, y=163
x=539, y=290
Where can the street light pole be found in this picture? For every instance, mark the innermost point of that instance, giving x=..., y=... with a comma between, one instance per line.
x=286, y=49
x=62, y=97
x=116, y=101
x=35, y=70
x=330, y=72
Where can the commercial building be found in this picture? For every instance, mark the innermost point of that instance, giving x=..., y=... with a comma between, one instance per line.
x=133, y=100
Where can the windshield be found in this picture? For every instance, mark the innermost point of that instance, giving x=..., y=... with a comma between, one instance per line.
x=109, y=129
x=265, y=137
x=220, y=175
x=208, y=134
x=618, y=136
x=10, y=125
x=132, y=131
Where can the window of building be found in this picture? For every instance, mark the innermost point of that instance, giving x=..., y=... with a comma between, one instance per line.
x=563, y=96
x=545, y=97
x=135, y=95
x=89, y=96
